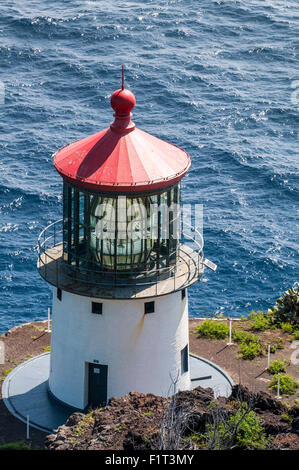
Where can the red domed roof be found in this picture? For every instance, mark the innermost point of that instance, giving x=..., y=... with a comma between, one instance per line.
x=122, y=157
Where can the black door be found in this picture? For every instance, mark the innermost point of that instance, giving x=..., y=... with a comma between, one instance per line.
x=97, y=385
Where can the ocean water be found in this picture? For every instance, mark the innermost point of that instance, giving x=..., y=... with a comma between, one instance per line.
x=219, y=78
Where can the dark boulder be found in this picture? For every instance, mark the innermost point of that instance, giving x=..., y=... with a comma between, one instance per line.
x=260, y=401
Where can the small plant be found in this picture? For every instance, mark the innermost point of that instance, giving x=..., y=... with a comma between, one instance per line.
x=213, y=330
x=287, y=418
x=296, y=334
x=287, y=327
x=41, y=329
x=20, y=445
x=73, y=442
x=244, y=428
x=250, y=346
x=14, y=363
x=7, y=371
x=277, y=366
x=79, y=431
x=250, y=350
x=240, y=336
x=287, y=386
x=83, y=424
x=260, y=321
x=47, y=348
x=88, y=420
x=276, y=344
x=211, y=405
x=251, y=434
x=286, y=308
x=280, y=343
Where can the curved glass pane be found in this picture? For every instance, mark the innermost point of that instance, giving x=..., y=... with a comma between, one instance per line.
x=121, y=233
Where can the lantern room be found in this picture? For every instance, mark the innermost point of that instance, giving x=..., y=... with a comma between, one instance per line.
x=130, y=233
x=121, y=213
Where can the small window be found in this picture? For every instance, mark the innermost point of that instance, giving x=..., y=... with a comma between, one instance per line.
x=149, y=307
x=59, y=294
x=183, y=294
x=97, y=307
x=184, y=360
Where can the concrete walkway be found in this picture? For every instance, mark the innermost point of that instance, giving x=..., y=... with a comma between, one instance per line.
x=25, y=390
x=207, y=374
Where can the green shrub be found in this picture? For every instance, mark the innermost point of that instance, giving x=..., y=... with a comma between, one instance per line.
x=240, y=336
x=277, y=366
x=296, y=334
x=276, y=344
x=250, y=346
x=260, y=321
x=287, y=385
x=20, y=445
x=250, y=432
x=287, y=418
x=213, y=329
x=279, y=343
x=286, y=308
x=287, y=327
x=250, y=350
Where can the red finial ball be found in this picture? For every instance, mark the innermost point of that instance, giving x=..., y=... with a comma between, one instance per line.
x=122, y=101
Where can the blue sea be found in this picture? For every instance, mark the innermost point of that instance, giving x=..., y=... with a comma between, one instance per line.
x=218, y=78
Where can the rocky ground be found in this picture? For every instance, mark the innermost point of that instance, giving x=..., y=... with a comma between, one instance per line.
x=133, y=422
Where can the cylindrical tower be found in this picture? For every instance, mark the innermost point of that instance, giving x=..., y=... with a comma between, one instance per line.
x=118, y=267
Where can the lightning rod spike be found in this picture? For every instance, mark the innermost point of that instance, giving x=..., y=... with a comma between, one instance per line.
x=123, y=78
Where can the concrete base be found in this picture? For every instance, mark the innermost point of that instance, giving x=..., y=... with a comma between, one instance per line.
x=25, y=390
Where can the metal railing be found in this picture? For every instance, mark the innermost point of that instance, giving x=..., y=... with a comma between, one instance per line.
x=187, y=270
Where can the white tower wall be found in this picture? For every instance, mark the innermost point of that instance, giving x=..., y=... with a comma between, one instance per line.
x=140, y=350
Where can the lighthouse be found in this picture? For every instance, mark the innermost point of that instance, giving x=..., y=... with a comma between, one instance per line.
x=118, y=267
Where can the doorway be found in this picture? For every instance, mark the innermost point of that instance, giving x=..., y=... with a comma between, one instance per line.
x=97, y=385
